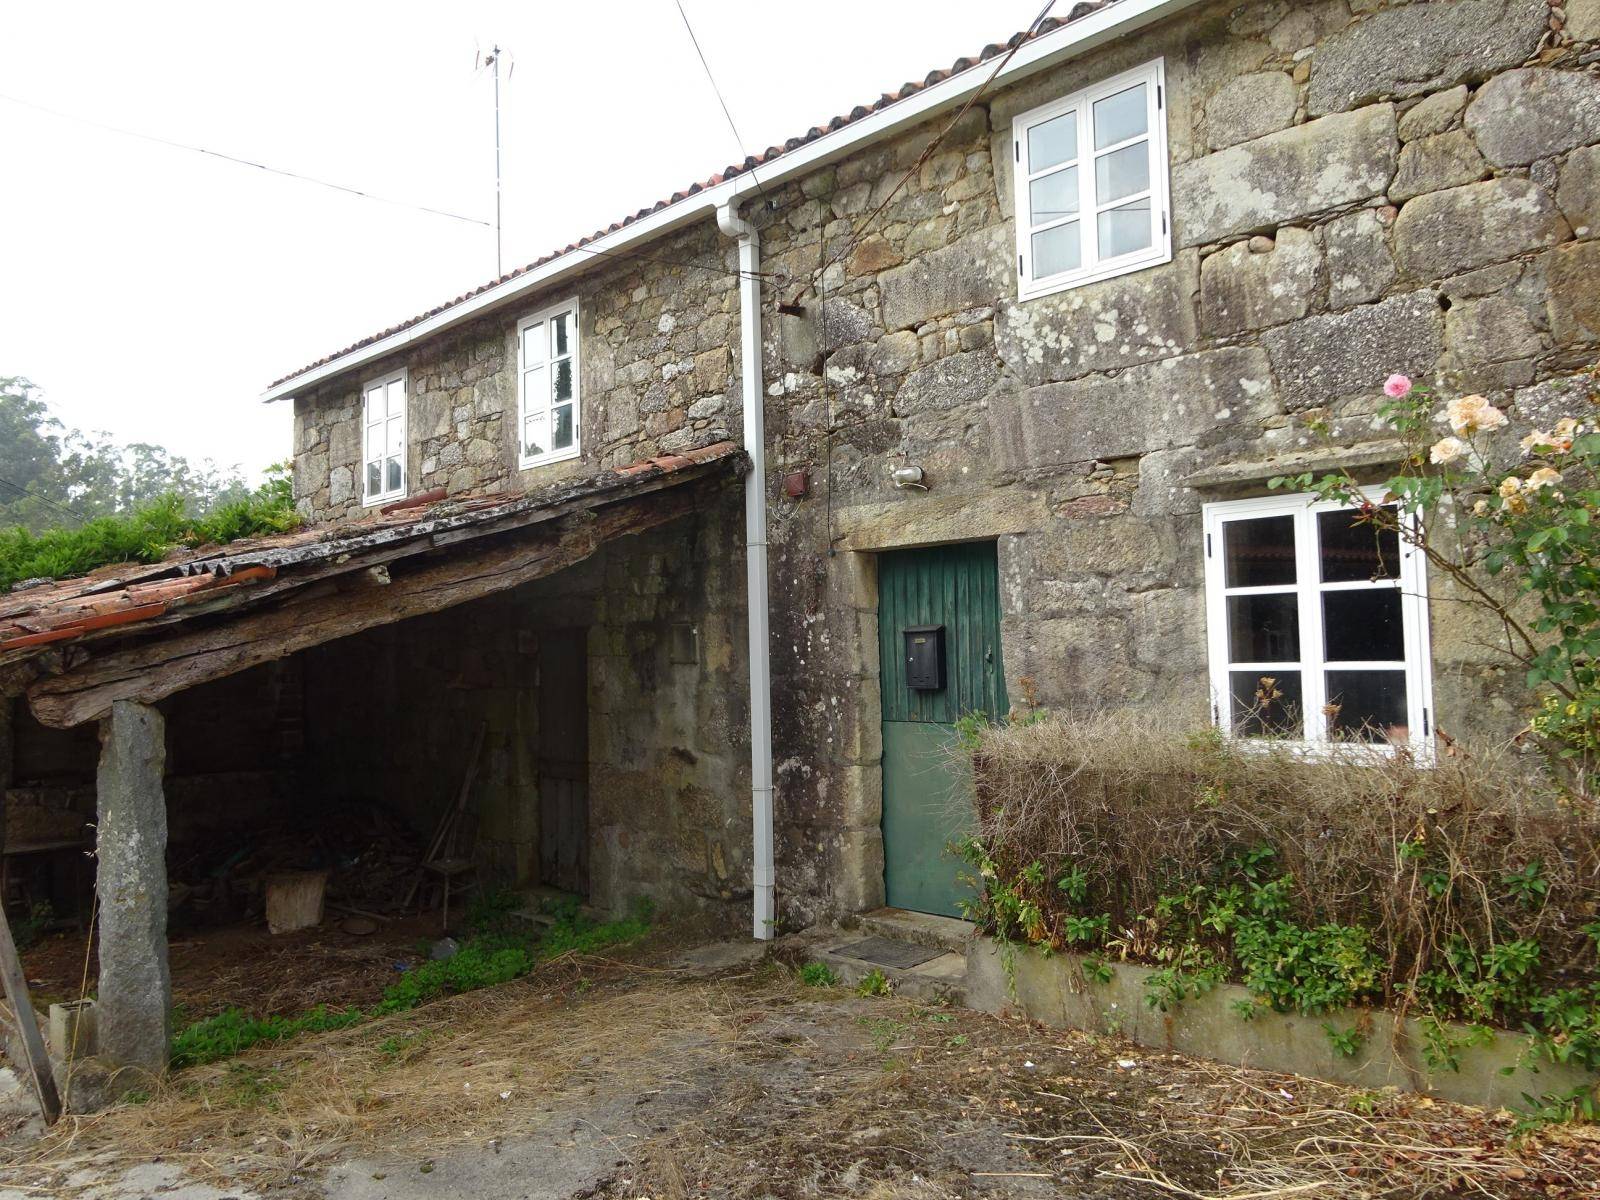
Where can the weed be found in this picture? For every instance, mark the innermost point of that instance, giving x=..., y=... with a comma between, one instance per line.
x=818, y=975
x=1345, y=1042
x=884, y=1032
x=873, y=983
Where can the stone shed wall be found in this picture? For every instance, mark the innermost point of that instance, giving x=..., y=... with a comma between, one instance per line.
x=1356, y=189
x=658, y=373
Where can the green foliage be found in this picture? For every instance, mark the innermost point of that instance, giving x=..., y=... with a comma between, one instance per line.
x=1345, y=1042
x=233, y=1031
x=818, y=975
x=1557, y=1108
x=493, y=955
x=145, y=534
x=873, y=983
x=31, y=929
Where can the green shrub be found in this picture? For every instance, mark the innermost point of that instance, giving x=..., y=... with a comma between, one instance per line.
x=873, y=983
x=818, y=975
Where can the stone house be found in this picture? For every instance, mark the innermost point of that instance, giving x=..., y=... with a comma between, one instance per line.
x=1011, y=354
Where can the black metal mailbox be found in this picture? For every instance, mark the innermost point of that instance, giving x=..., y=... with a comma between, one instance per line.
x=925, y=658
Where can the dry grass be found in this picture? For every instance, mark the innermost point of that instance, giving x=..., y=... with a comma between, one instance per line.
x=767, y=1087
x=1132, y=798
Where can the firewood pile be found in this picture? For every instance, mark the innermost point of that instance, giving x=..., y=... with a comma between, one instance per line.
x=370, y=855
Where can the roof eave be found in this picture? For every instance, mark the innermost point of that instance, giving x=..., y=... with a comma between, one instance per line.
x=1044, y=52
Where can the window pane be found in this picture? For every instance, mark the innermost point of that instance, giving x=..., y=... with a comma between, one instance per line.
x=1264, y=628
x=374, y=442
x=1266, y=705
x=1367, y=706
x=534, y=390
x=558, y=326
x=375, y=405
x=533, y=344
x=1122, y=173
x=1363, y=625
x=563, y=434
x=564, y=379
x=1126, y=229
x=1259, y=552
x=374, y=478
x=1056, y=250
x=1053, y=141
x=1120, y=117
x=397, y=398
x=1353, y=549
x=534, y=437
x=1054, y=196
x=396, y=440
x=392, y=484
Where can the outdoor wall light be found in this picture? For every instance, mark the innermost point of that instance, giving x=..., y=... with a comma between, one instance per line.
x=908, y=477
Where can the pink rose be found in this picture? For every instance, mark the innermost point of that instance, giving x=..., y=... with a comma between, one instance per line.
x=1396, y=386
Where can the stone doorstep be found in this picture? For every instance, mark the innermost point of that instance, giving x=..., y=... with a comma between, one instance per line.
x=923, y=929
x=941, y=980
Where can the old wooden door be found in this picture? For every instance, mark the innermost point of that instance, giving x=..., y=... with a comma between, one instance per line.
x=927, y=798
x=564, y=760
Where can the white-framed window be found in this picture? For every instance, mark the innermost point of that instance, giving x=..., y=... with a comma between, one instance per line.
x=547, y=385
x=383, y=438
x=1091, y=183
x=1317, y=626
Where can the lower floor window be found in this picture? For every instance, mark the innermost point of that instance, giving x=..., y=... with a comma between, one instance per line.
x=1316, y=624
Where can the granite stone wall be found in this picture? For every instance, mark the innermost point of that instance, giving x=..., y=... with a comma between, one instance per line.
x=1357, y=187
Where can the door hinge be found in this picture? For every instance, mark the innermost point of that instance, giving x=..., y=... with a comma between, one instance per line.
x=1163, y=223
x=1427, y=731
x=1159, y=100
x=1208, y=545
x=1020, y=271
x=1018, y=146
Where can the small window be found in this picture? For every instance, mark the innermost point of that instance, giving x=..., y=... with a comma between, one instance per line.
x=547, y=356
x=1091, y=184
x=383, y=439
x=1317, y=626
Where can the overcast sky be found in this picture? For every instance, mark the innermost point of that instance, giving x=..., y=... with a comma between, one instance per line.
x=153, y=293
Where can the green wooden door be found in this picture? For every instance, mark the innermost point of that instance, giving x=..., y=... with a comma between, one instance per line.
x=927, y=799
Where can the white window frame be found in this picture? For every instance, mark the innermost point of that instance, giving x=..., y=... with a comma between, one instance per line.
x=1308, y=588
x=1093, y=268
x=381, y=384
x=525, y=461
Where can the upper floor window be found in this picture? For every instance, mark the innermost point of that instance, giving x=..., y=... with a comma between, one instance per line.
x=384, y=439
x=1317, y=626
x=1091, y=183
x=547, y=389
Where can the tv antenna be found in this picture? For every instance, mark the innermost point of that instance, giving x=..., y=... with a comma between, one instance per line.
x=491, y=62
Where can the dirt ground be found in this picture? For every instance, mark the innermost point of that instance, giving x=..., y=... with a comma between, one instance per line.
x=636, y=1075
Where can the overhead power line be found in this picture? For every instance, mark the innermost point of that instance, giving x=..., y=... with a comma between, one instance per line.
x=712, y=80
x=243, y=162
x=32, y=495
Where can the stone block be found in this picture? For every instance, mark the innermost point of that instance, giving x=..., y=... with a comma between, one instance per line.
x=1250, y=106
x=1578, y=193
x=1433, y=114
x=1431, y=164
x=1412, y=49
x=1322, y=358
x=959, y=381
x=1241, y=289
x=1360, y=268
x=1583, y=20
x=1573, y=277
x=874, y=254
x=973, y=270
x=1117, y=323
x=1490, y=330
x=1176, y=401
x=1340, y=159
x=1459, y=229
x=1534, y=113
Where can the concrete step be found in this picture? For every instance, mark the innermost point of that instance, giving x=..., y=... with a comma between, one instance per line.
x=940, y=980
x=922, y=929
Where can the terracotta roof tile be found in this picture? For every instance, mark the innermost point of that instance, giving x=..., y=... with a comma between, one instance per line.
x=127, y=593
x=1049, y=25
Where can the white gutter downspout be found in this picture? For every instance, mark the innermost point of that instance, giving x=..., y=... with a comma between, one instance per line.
x=764, y=917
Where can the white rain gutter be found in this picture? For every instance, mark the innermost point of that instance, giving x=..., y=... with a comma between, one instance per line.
x=1068, y=42
x=764, y=915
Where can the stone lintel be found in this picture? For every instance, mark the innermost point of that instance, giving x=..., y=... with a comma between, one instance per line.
x=1369, y=454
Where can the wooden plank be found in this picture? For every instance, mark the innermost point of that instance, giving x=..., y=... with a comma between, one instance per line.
x=152, y=670
x=16, y=987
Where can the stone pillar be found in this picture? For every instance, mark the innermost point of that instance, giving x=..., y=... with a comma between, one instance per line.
x=135, y=1009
